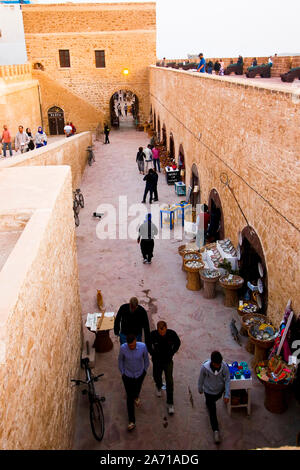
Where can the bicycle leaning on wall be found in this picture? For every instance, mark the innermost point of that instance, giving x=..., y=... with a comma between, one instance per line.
x=96, y=411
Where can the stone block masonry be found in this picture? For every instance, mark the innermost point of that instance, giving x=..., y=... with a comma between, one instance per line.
x=250, y=132
x=127, y=34
x=40, y=312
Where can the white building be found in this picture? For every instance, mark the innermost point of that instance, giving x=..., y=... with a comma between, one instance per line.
x=12, y=40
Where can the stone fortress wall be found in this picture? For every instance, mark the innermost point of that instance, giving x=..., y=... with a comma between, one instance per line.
x=127, y=34
x=250, y=131
x=40, y=311
x=19, y=98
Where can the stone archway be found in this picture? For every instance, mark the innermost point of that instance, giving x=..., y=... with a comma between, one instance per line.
x=124, y=109
x=195, y=185
x=181, y=163
x=172, y=146
x=158, y=131
x=216, y=215
x=251, y=254
x=56, y=121
x=164, y=135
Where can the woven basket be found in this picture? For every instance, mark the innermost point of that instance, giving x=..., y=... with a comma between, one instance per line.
x=247, y=316
x=260, y=342
x=193, y=270
x=181, y=249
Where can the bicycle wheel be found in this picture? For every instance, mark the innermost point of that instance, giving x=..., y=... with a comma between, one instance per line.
x=76, y=218
x=81, y=200
x=97, y=419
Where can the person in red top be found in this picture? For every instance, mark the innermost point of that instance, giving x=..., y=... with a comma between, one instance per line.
x=6, y=140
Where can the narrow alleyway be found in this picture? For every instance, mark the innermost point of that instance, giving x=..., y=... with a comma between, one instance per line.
x=115, y=267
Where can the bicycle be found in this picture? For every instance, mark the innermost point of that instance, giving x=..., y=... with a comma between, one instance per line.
x=91, y=156
x=78, y=200
x=76, y=218
x=96, y=411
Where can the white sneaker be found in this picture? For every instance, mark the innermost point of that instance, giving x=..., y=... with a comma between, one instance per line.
x=171, y=409
x=145, y=261
x=158, y=392
x=217, y=437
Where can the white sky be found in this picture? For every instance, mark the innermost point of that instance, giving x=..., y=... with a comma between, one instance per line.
x=223, y=28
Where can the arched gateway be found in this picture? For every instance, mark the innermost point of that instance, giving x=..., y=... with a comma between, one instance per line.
x=56, y=121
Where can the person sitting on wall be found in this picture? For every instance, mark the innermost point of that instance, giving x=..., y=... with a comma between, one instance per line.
x=40, y=138
x=68, y=130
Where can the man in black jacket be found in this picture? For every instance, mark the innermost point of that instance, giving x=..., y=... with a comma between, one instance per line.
x=132, y=318
x=164, y=343
x=150, y=185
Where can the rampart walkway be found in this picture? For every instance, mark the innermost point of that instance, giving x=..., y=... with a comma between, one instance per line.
x=115, y=267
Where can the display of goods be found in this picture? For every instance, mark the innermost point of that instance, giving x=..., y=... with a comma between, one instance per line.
x=276, y=370
x=239, y=371
x=209, y=246
x=258, y=320
x=194, y=264
x=263, y=332
x=190, y=256
x=247, y=307
x=231, y=279
x=227, y=247
x=210, y=273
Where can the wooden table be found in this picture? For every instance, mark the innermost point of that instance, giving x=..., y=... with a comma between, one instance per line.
x=240, y=384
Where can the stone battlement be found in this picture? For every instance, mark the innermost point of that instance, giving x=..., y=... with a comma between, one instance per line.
x=16, y=72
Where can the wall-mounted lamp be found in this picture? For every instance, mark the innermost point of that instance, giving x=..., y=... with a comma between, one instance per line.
x=125, y=72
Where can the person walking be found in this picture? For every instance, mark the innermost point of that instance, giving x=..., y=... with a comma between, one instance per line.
x=31, y=142
x=164, y=343
x=132, y=318
x=222, y=67
x=254, y=62
x=150, y=184
x=6, y=141
x=21, y=140
x=140, y=157
x=155, y=157
x=125, y=109
x=217, y=67
x=40, y=138
x=133, y=365
x=155, y=180
x=68, y=130
x=214, y=381
x=106, y=133
x=202, y=63
x=148, y=160
x=147, y=232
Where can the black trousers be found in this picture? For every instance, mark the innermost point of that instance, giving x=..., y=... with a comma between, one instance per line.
x=211, y=406
x=167, y=367
x=147, y=189
x=133, y=388
x=155, y=194
x=147, y=247
x=106, y=139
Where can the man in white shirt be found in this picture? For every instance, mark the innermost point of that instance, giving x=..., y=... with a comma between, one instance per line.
x=21, y=140
x=148, y=160
x=68, y=130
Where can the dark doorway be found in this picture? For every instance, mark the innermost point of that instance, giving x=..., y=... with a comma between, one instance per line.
x=216, y=230
x=124, y=109
x=164, y=136
x=56, y=121
x=154, y=122
x=195, y=185
x=158, y=131
x=172, y=146
x=251, y=255
x=181, y=163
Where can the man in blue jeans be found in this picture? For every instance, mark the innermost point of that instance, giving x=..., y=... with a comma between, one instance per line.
x=201, y=66
x=133, y=365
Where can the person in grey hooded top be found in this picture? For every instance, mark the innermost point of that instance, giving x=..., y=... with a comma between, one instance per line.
x=214, y=380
